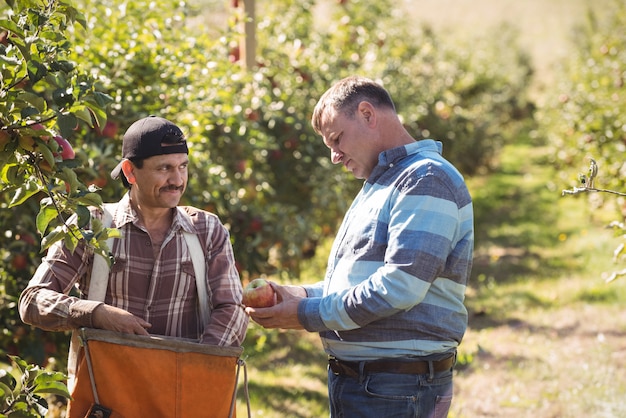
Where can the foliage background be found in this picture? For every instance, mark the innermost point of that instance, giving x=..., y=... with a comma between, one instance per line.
x=258, y=164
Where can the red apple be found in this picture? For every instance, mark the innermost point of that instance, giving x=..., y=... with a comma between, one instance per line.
x=259, y=294
x=240, y=166
x=110, y=129
x=19, y=262
x=67, y=152
x=251, y=115
x=234, y=55
x=256, y=224
x=4, y=139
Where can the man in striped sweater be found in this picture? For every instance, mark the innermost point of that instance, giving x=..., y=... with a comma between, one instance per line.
x=390, y=310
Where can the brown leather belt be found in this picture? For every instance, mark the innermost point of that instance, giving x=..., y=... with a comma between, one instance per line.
x=349, y=368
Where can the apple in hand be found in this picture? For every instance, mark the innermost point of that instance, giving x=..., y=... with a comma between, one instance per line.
x=259, y=294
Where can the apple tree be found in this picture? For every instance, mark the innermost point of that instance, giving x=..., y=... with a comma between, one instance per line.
x=44, y=100
x=473, y=103
x=584, y=117
x=255, y=160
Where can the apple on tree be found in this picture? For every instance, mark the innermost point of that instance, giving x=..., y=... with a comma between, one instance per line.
x=259, y=294
x=110, y=129
x=67, y=152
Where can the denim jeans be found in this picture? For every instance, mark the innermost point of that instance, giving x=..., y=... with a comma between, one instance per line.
x=389, y=395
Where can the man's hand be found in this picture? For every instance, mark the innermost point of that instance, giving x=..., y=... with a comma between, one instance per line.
x=116, y=319
x=285, y=313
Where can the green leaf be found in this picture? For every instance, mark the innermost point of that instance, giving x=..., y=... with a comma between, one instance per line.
x=7, y=381
x=35, y=100
x=113, y=233
x=90, y=199
x=46, y=214
x=102, y=99
x=67, y=123
x=36, y=71
x=51, y=383
x=55, y=235
x=10, y=26
x=70, y=241
x=9, y=173
x=98, y=114
x=82, y=113
x=21, y=364
x=83, y=215
x=5, y=393
x=53, y=388
x=63, y=97
x=69, y=176
x=46, y=152
x=30, y=188
x=64, y=66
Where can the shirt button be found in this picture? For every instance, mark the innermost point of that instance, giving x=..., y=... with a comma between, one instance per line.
x=148, y=243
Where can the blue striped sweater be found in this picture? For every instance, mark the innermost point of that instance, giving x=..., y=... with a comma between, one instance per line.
x=399, y=266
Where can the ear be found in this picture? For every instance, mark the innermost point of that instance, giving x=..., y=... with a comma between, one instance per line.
x=129, y=171
x=367, y=112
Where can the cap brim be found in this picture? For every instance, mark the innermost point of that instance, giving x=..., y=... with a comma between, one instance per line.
x=116, y=171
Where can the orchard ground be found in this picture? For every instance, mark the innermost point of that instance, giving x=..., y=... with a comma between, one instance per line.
x=547, y=334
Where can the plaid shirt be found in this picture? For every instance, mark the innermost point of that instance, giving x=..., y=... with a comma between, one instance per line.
x=162, y=291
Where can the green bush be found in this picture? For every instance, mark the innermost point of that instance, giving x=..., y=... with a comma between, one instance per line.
x=24, y=388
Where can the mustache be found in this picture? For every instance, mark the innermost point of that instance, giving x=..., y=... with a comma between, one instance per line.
x=172, y=188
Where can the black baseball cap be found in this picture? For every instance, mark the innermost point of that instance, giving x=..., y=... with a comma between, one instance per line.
x=148, y=137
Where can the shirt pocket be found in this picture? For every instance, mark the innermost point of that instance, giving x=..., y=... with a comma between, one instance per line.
x=186, y=269
x=366, y=236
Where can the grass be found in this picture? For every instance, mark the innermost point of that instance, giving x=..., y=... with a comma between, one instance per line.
x=547, y=335
x=286, y=375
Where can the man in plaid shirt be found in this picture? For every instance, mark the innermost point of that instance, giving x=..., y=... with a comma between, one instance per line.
x=152, y=283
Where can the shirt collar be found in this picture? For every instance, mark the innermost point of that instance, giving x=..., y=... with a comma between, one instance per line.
x=390, y=157
x=124, y=213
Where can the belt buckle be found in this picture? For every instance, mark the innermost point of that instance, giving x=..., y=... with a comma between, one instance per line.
x=335, y=366
x=341, y=369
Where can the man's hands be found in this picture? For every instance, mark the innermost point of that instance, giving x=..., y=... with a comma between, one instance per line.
x=116, y=319
x=285, y=313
